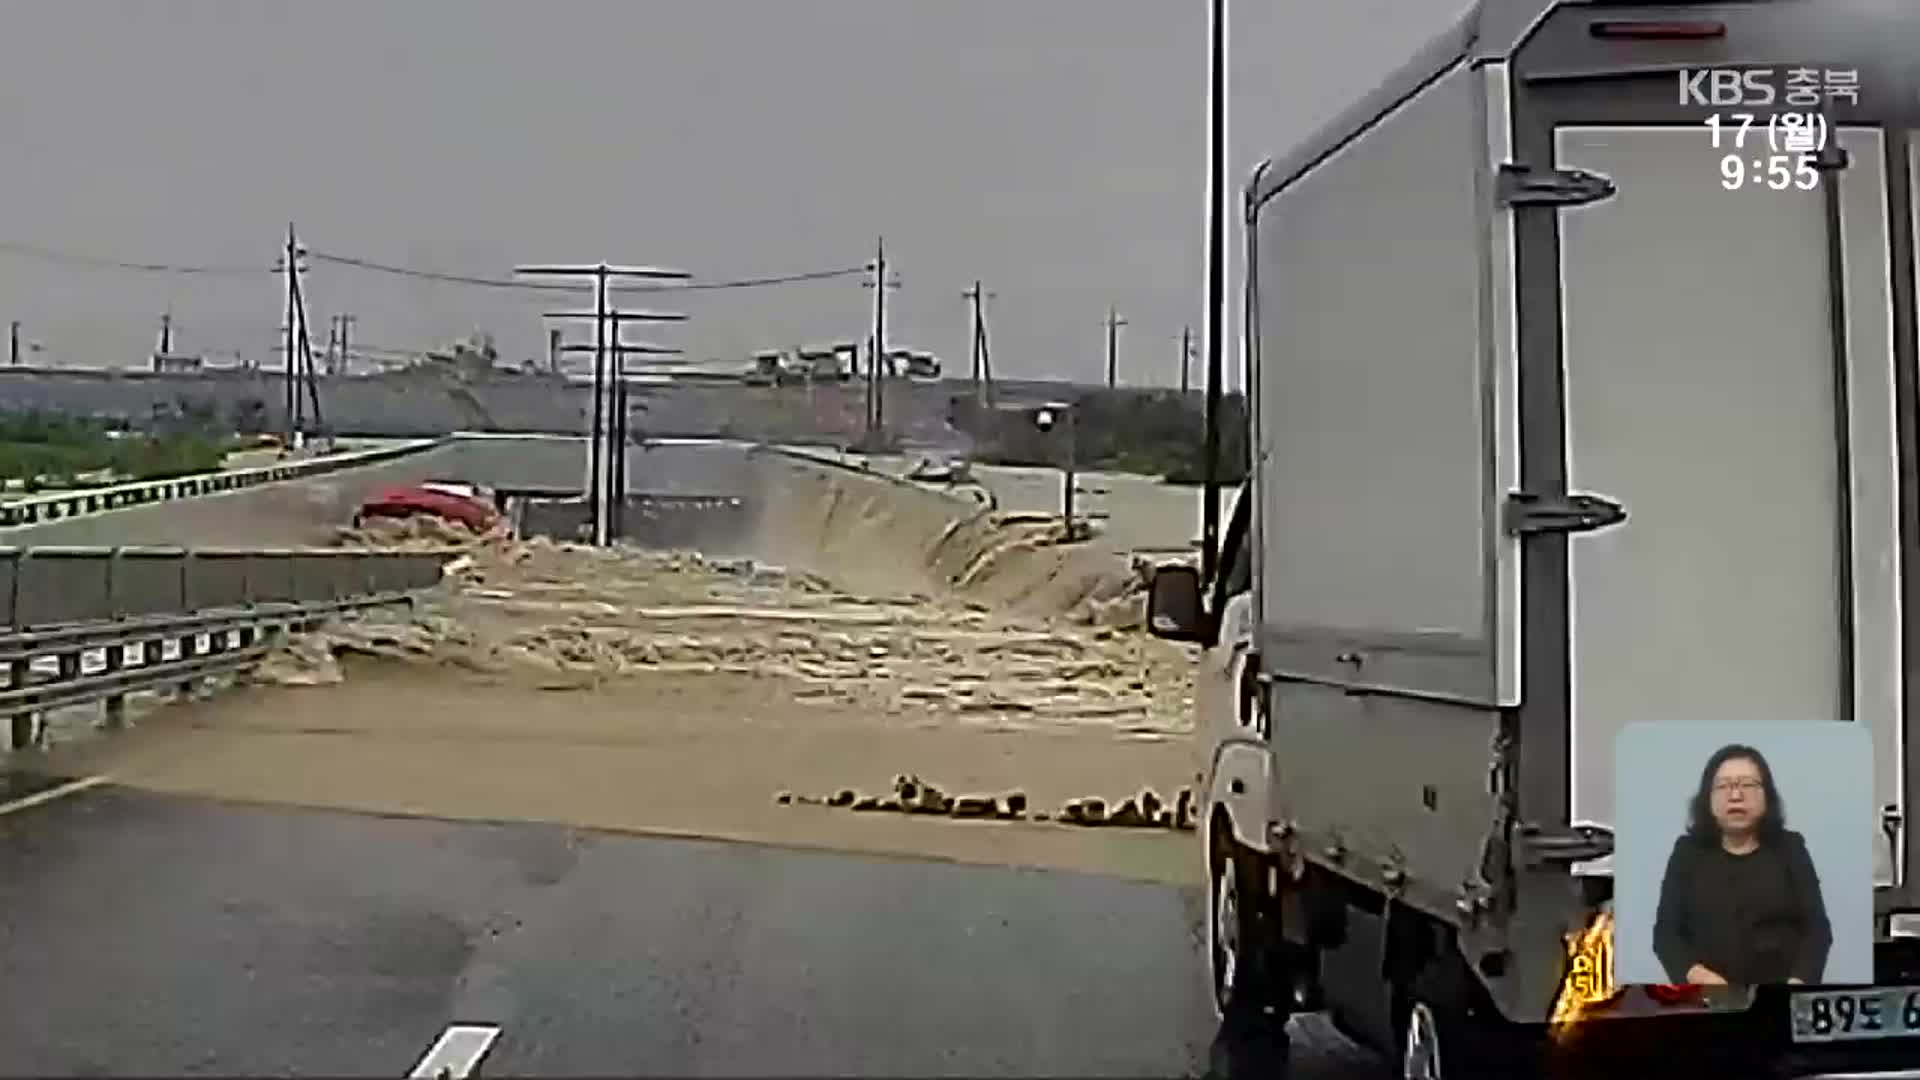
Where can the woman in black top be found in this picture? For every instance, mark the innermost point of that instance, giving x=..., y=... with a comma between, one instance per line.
x=1740, y=904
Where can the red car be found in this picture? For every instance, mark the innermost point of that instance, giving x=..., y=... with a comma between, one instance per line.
x=436, y=500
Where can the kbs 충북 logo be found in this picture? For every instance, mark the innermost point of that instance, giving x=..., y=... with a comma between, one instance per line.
x=1759, y=88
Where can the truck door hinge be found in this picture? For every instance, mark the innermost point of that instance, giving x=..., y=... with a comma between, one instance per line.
x=1539, y=846
x=1524, y=185
x=1526, y=513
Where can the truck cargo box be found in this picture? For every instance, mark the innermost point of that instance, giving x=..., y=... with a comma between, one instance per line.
x=1582, y=363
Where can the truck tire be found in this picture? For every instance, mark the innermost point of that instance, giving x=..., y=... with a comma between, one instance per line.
x=1240, y=935
x=1439, y=1033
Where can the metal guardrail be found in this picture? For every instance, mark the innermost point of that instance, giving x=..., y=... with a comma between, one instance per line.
x=61, y=586
x=95, y=624
x=68, y=504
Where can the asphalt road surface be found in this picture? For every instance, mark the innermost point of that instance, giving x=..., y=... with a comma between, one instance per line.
x=153, y=935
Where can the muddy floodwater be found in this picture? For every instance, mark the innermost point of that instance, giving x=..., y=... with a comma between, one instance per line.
x=730, y=697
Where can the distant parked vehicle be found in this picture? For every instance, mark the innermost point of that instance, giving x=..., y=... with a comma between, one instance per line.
x=943, y=471
x=824, y=363
x=769, y=367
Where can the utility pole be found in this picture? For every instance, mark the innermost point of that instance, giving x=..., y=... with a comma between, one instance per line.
x=289, y=272
x=982, y=367
x=601, y=495
x=13, y=343
x=877, y=358
x=986, y=361
x=166, y=333
x=301, y=363
x=333, y=344
x=973, y=296
x=1216, y=297
x=620, y=349
x=553, y=350
x=1186, y=361
x=1114, y=323
x=346, y=338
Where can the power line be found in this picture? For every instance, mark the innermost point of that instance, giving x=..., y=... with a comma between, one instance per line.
x=71, y=258
x=749, y=283
x=505, y=283
x=397, y=270
x=434, y=275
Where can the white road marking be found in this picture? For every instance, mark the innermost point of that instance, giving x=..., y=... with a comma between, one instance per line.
x=456, y=1052
x=47, y=796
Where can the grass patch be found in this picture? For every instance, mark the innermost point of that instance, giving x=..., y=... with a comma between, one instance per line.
x=51, y=450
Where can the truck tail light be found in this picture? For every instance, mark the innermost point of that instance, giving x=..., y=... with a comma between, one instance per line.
x=1674, y=993
x=1657, y=31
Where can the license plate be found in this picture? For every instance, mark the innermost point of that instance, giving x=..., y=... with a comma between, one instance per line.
x=1883, y=1012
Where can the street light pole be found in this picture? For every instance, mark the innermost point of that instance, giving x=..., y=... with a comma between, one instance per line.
x=1060, y=415
x=1071, y=433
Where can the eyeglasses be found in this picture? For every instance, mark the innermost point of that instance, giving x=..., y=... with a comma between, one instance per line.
x=1744, y=787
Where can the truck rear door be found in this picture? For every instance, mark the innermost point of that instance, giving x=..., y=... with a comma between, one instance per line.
x=1737, y=399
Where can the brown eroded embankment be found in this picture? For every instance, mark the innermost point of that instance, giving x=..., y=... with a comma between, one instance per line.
x=879, y=534
x=900, y=632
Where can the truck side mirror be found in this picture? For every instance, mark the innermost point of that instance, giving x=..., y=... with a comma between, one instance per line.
x=1173, y=605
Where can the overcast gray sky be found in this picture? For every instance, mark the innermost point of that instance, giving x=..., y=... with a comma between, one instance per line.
x=1053, y=148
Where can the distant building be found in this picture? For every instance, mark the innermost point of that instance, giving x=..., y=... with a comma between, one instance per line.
x=825, y=363
x=913, y=364
x=474, y=356
x=178, y=362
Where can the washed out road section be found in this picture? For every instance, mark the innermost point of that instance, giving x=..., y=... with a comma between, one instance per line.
x=675, y=693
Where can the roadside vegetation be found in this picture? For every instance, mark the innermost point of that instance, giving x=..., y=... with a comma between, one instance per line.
x=40, y=450
x=1149, y=433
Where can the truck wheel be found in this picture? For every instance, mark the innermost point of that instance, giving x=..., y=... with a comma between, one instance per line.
x=1420, y=1045
x=1436, y=1031
x=1238, y=942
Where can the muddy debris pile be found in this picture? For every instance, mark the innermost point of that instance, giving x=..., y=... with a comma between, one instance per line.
x=420, y=532
x=313, y=659
x=912, y=795
x=568, y=616
x=1126, y=607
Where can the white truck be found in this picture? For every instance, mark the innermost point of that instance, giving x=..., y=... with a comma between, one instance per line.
x=1563, y=416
